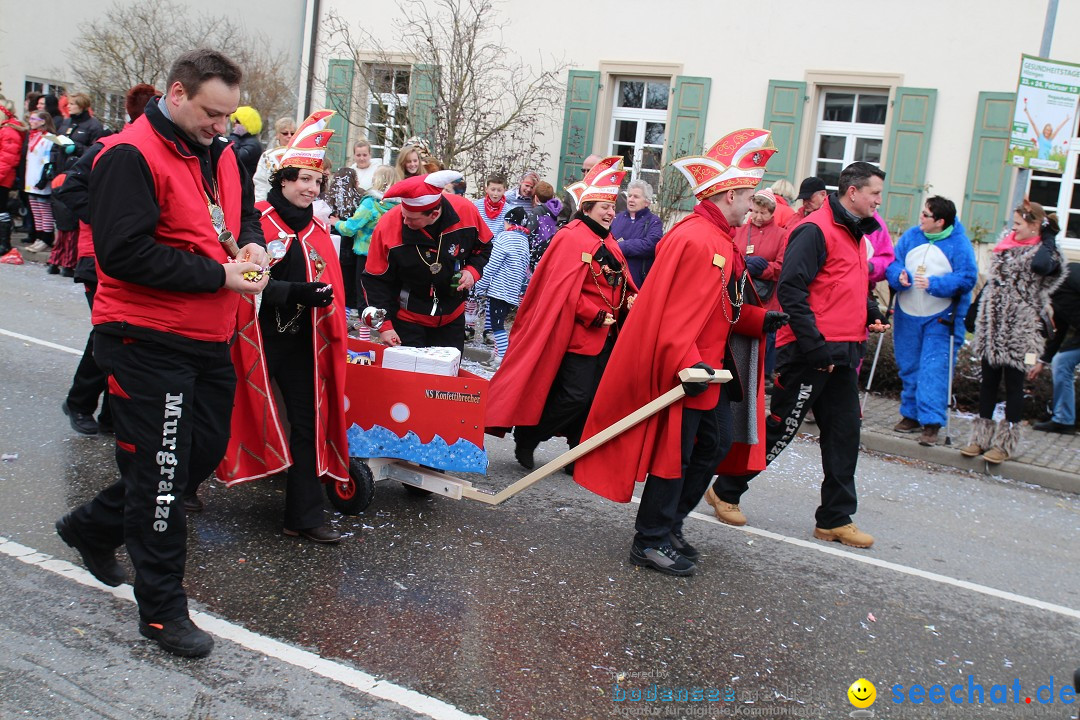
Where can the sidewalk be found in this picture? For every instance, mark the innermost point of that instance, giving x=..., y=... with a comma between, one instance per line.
x=1050, y=460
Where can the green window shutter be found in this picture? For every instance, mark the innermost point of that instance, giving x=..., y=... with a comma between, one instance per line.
x=422, y=87
x=986, y=195
x=909, y=149
x=339, y=87
x=686, y=136
x=783, y=117
x=579, y=119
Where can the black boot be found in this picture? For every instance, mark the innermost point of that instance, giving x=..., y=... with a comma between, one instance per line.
x=6, y=226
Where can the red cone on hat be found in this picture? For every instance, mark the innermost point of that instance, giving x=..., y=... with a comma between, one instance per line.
x=423, y=192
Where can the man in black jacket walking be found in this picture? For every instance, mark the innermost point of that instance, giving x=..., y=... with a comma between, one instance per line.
x=822, y=284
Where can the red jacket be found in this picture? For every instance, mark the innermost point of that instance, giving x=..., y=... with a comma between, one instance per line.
x=551, y=321
x=682, y=316
x=258, y=444
x=837, y=294
x=183, y=223
x=783, y=212
x=11, y=139
x=769, y=242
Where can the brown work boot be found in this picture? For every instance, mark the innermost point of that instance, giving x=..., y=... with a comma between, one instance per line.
x=907, y=425
x=725, y=512
x=982, y=433
x=929, y=435
x=846, y=534
x=995, y=456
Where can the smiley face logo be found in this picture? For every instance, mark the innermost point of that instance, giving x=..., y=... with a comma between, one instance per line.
x=862, y=693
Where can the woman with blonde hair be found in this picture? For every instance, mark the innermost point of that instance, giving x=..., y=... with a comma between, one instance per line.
x=410, y=162
x=785, y=197
x=1010, y=324
x=362, y=224
x=284, y=129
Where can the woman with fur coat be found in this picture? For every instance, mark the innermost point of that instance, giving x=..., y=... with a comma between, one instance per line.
x=1011, y=324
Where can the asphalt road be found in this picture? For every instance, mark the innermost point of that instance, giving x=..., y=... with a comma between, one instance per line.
x=438, y=608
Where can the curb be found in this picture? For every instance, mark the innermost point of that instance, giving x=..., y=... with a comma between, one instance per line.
x=951, y=457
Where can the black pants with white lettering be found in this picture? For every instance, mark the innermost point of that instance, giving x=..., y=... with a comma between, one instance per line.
x=450, y=335
x=834, y=398
x=665, y=502
x=171, y=412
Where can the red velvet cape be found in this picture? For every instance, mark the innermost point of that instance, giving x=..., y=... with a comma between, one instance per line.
x=258, y=445
x=542, y=330
x=658, y=340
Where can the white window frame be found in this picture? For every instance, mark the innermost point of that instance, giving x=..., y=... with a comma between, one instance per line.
x=1069, y=186
x=393, y=102
x=641, y=116
x=851, y=131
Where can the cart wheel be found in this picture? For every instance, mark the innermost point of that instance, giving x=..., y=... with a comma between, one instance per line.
x=416, y=491
x=352, y=496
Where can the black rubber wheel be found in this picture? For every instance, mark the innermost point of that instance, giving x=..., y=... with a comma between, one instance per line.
x=352, y=497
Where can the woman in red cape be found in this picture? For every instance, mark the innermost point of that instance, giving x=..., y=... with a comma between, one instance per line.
x=296, y=338
x=566, y=325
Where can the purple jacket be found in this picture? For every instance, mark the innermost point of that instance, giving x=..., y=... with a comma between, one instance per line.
x=637, y=239
x=883, y=253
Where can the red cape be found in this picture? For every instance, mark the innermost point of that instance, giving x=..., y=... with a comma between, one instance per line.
x=258, y=445
x=681, y=295
x=542, y=330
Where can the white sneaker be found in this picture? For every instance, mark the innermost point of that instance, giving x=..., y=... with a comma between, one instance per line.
x=38, y=246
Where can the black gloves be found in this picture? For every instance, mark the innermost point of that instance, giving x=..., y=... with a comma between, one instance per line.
x=874, y=314
x=598, y=321
x=819, y=357
x=693, y=389
x=46, y=176
x=774, y=320
x=756, y=265
x=311, y=294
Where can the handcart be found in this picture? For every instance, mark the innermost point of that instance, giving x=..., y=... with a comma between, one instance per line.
x=412, y=427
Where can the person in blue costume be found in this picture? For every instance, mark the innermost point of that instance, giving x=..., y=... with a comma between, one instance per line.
x=933, y=274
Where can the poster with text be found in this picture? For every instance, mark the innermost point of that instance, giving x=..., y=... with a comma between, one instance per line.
x=1044, y=119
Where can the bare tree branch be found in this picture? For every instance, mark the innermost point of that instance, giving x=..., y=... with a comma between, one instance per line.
x=490, y=110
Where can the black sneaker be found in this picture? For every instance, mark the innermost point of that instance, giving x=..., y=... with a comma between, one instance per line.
x=684, y=548
x=82, y=423
x=180, y=637
x=100, y=562
x=192, y=504
x=665, y=559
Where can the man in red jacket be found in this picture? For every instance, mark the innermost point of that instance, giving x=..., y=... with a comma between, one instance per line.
x=162, y=195
x=822, y=285
x=684, y=317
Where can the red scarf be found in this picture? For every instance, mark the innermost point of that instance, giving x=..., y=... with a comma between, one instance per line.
x=1010, y=242
x=493, y=211
x=36, y=136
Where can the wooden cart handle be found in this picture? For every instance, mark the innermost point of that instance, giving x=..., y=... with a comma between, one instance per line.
x=617, y=428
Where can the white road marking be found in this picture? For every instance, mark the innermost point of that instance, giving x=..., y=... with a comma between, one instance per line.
x=350, y=677
x=39, y=341
x=830, y=549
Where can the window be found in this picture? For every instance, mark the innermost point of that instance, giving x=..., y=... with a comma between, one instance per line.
x=387, y=110
x=639, y=118
x=45, y=87
x=113, y=111
x=850, y=127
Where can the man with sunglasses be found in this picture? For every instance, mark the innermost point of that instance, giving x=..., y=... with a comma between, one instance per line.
x=425, y=255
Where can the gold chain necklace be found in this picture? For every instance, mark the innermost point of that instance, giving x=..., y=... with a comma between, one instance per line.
x=622, y=289
x=433, y=267
x=737, y=303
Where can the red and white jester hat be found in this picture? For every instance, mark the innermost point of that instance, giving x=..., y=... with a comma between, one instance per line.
x=601, y=183
x=307, y=148
x=736, y=160
x=423, y=192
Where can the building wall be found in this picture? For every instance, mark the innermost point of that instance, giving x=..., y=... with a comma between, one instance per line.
x=947, y=46
x=35, y=43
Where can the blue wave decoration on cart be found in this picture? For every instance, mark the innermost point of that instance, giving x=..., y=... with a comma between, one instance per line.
x=462, y=456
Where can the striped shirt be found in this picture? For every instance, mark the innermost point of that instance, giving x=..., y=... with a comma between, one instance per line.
x=507, y=270
x=495, y=225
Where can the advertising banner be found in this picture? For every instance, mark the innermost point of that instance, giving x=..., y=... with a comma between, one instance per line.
x=1047, y=96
